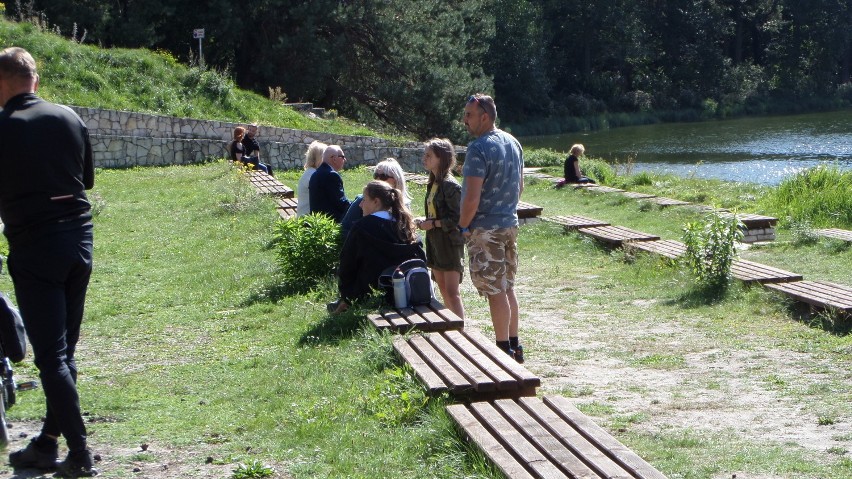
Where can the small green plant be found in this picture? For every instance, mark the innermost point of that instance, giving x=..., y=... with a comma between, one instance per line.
x=277, y=94
x=237, y=193
x=253, y=470
x=308, y=249
x=398, y=398
x=711, y=248
x=803, y=232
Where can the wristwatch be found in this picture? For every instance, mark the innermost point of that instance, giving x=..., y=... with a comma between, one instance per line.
x=463, y=230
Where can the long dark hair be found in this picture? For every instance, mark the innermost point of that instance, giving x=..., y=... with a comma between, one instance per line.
x=392, y=200
x=446, y=153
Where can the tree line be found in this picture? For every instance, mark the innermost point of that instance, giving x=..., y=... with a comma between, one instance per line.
x=551, y=64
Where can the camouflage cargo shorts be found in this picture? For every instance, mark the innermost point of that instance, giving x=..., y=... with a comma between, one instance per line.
x=493, y=256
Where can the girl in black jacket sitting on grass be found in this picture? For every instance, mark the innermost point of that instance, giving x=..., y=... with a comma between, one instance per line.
x=384, y=237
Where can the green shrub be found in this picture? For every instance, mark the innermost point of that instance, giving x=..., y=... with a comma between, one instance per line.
x=543, y=157
x=598, y=170
x=253, y=470
x=308, y=249
x=711, y=249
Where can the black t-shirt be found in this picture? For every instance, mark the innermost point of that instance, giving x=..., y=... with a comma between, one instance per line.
x=251, y=145
x=45, y=167
x=570, y=172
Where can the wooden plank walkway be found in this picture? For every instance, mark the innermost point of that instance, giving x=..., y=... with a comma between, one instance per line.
x=843, y=235
x=819, y=294
x=638, y=196
x=286, y=207
x=266, y=184
x=664, y=202
x=465, y=364
x=547, y=438
x=668, y=248
x=751, y=221
x=743, y=270
x=605, y=189
x=616, y=234
x=434, y=317
x=576, y=221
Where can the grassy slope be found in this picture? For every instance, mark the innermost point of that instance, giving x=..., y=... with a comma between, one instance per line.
x=151, y=82
x=189, y=347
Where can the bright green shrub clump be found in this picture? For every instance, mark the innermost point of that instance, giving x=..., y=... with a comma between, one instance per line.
x=308, y=249
x=543, y=157
x=711, y=249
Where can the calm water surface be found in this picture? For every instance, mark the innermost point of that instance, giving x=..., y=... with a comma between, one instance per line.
x=760, y=150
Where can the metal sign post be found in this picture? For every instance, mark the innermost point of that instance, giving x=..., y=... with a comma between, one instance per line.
x=199, y=34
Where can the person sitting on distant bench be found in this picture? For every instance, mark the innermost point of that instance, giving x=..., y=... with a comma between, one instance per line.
x=252, y=153
x=572, y=166
x=236, y=150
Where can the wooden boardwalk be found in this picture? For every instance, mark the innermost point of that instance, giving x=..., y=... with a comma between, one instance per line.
x=616, y=235
x=547, y=438
x=266, y=184
x=819, y=294
x=834, y=233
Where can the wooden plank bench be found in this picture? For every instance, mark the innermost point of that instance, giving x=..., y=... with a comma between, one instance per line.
x=843, y=235
x=605, y=189
x=547, y=438
x=576, y=221
x=434, y=317
x=751, y=221
x=743, y=270
x=819, y=294
x=286, y=207
x=616, y=234
x=668, y=248
x=751, y=272
x=638, y=196
x=465, y=364
x=267, y=184
x=664, y=202
x=528, y=210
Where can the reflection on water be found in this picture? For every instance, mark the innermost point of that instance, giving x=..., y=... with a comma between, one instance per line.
x=761, y=150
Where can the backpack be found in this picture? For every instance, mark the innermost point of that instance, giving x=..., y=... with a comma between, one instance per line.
x=410, y=283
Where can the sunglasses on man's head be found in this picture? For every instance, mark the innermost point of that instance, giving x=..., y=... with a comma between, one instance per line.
x=473, y=99
x=380, y=176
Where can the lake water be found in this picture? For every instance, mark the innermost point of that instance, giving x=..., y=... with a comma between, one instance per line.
x=760, y=150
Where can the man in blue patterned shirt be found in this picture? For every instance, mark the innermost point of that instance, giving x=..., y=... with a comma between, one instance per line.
x=493, y=182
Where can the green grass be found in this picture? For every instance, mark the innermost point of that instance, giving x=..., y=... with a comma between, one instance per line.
x=150, y=82
x=819, y=197
x=189, y=345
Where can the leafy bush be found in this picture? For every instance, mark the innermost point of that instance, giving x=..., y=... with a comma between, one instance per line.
x=711, y=249
x=308, y=249
x=253, y=470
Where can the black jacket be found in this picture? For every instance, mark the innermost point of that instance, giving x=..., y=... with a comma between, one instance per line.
x=326, y=193
x=45, y=167
x=373, y=245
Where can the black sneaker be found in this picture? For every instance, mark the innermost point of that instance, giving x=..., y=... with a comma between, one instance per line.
x=519, y=354
x=77, y=464
x=39, y=454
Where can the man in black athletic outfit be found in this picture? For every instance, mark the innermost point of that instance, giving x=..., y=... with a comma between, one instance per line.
x=45, y=167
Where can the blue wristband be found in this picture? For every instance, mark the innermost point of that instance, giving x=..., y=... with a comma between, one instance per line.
x=464, y=230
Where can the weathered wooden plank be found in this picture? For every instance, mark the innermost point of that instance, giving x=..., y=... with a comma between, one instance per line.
x=378, y=321
x=502, y=379
x=455, y=380
x=616, y=234
x=669, y=248
x=487, y=443
x=515, y=442
x=751, y=272
x=574, y=222
x=433, y=383
x=506, y=362
x=602, y=439
x=843, y=235
x=638, y=196
x=539, y=428
x=475, y=376
x=818, y=293
x=663, y=201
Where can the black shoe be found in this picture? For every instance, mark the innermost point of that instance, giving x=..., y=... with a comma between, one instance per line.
x=39, y=454
x=332, y=306
x=77, y=464
x=519, y=354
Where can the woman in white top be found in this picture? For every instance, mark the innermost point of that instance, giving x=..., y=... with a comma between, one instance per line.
x=313, y=158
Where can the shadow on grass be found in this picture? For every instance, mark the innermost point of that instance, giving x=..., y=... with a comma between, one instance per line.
x=701, y=295
x=336, y=327
x=836, y=322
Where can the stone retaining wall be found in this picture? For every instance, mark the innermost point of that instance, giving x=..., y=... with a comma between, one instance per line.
x=124, y=139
